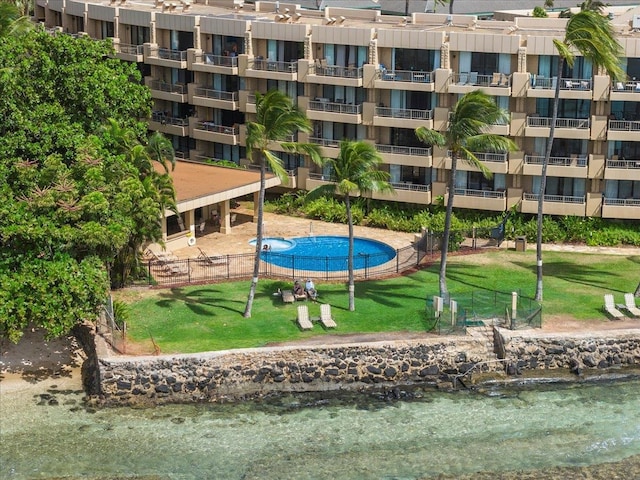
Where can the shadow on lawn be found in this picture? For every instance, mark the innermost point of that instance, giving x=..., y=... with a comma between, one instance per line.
x=199, y=301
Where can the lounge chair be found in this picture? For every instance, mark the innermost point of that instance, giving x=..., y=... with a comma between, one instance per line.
x=610, y=307
x=287, y=296
x=303, y=318
x=326, y=319
x=630, y=305
x=211, y=259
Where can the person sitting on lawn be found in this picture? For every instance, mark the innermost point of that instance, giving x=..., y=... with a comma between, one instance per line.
x=298, y=291
x=310, y=288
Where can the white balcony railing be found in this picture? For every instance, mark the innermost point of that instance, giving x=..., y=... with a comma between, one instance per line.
x=407, y=113
x=216, y=94
x=168, y=54
x=555, y=198
x=624, y=125
x=273, y=65
x=325, y=142
x=212, y=127
x=414, y=187
x=623, y=164
x=130, y=49
x=474, y=79
x=579, y=161
x=622, y=202
x=168, y=87
x=545, y=122
x=547, y=83
x=401, y=150
x=479, y=193
x=337, y=71
x=406, y=76
x=500, y=157
x=335, y=107
x=218, y=60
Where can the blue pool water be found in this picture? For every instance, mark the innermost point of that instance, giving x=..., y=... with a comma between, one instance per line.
x=325, y=253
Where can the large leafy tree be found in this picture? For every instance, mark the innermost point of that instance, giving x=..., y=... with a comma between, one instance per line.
x=466, y=135
x=70, y=201
x=353, y=172
x=277, y=119
x=591, y=35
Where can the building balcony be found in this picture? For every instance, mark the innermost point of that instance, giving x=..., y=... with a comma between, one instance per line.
x=575, y=166
x=479, y=199
x=165, y=57
x=405, y=80
x=495, y=162
x=406, y=192
x=329, y=147
x=578, y=128
x=172, y=92
x=402, y=117
x=574, y=88
x=621, y=208
x=335, y=75
x=277, y=146
x=554, y=204
x=163, y=123
x=210, y=63
x=338, y=111
x=207, y=97
x=272, y=70
x=497, y=84
x=212, y=132
x=250, y=105
x=628, y=130
x=129, y=53
x=622, y=169
x=409, y=156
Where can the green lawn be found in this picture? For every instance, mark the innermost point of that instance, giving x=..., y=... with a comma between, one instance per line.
x=209, y=317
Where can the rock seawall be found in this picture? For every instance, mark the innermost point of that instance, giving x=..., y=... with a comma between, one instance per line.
x=249, y=373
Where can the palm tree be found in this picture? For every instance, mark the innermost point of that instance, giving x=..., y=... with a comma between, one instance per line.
x=591, y=35
x=12, y=21
x=474, y=113
x=277, y=118
x=355, y=170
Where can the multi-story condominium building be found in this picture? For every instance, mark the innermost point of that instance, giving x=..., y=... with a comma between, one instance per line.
x=362, y=75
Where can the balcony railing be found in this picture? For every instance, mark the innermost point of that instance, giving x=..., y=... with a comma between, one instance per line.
x=500, y=157
x=414, y=187
x=216, y=94
x=622, y=202
x=580, y=123
x=168, y=87
x=212, y=127
x=408, y=113
x=624, y=125
x=168, y=54
x=555, y=198
x=406, y=76
x=337, y=71
x=218, y=60
x=400, y=150
x=274, y=66
x=479, y=193
x=474, y=79
x=626, y=87
x=579, y=161
x=165, y=119
x=623, y=164
x=547, y=83
x=205, y=159
x=335, y=107
x=130, y=49
x=325, y=142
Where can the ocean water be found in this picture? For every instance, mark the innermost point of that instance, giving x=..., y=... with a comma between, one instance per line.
x=47, y=432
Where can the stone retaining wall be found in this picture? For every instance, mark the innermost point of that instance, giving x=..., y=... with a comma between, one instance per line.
x=241, y=374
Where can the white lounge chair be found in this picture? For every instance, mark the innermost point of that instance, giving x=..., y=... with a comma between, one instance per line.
x=630, y=305
x=325, y=316
x=610, y=307
x=303, y=318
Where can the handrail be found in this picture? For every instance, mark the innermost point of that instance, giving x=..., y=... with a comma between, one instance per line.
x=622, y=202
x=473, y=79
x=212, y=127
x=402, y=150
x=625, y=164
x=466, y=192
x=325, y=142
x=168, y=54
x=218, y=60
x=215, y=94
x=338, y=71
x=409, y=76
x=414, y=187
x=498, y=157
x=168, y=120
x=580, y=161
x=624, y=125
x=168, y=87
x=335, y=107
x=273, y=65
x=408, y=113
x=555, y=198
x=130, y=49
x=580, y=123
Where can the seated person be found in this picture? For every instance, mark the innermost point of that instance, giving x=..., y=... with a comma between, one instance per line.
x=266, y=248
x=310, y=288
x=298, y=291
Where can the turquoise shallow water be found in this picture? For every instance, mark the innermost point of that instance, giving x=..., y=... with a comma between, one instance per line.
x=309, y=437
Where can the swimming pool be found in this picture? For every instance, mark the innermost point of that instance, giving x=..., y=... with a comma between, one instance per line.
x=325, y=253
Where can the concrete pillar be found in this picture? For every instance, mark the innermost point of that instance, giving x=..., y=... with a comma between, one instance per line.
x=225, y=219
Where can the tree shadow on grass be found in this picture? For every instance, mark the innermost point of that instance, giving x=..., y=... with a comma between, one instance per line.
x=201, y=301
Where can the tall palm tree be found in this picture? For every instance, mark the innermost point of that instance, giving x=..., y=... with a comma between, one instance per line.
x=354, y=171
x=277, y=118
x=12, y=21
x=591, y=35
x=466, y=133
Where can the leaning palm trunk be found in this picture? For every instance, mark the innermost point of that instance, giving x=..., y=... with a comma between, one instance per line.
x=352, y=301
x=543, y=182
x=444, y=249
x=256, y=261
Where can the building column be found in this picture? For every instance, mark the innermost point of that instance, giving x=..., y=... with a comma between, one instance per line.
x=225, y=218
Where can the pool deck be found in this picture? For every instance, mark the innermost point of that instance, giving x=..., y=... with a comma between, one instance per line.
x=216, y=243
